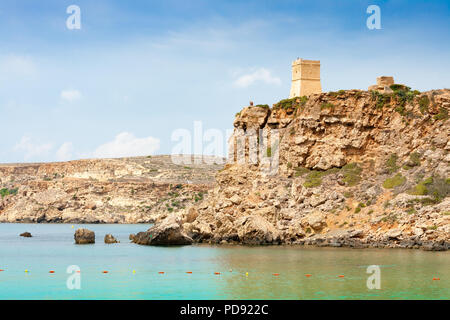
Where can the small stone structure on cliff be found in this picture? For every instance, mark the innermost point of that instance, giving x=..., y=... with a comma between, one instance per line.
x=305, y=78
x=383, y=84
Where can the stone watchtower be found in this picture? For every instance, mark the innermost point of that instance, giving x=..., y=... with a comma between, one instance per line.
x=305, y=78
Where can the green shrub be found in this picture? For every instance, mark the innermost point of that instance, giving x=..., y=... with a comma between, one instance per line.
x=380, y=99
x=6, y=192
x=415, y=158
x=286, y=104
x=357, y=209
x=264, y=106
x=435, y=187
x=303, y=100
x=352, y=174
x=300, y=171
x=419, y=190
x=395, y=181
x=348, y=194
x=399, y=87
x=424, y=103
x=269, y=152
x=391, y=163
x=198, y=197
x=442, y=115
x=327, y=105
x=314, y=178
x=414, y=161
x=403, y=95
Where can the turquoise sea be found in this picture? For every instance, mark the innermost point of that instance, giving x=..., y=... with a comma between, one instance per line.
x=405, y=274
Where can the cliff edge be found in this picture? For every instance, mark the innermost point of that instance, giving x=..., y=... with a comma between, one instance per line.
x=356, y=168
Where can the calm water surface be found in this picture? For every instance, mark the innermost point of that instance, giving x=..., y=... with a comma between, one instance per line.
x=405, y=274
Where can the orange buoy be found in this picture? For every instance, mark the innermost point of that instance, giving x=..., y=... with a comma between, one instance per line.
x=189, y=272
x=308, y=275
x=78, y=271
x=51, y=271
x=161, y=272
x=341, y=276
x=216, y=272
x=276, y=274
x=1, y=270
x=105, y=271
x=436, y=279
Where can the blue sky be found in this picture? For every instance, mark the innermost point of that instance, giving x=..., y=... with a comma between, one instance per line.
x=138, y=70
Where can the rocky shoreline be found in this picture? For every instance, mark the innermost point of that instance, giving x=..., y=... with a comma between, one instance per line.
x=128, y=190
x=356, y=169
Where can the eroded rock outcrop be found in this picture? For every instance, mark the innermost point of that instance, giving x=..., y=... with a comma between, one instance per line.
x=167, y=232
x=128, y=190
x=26, y=235
x=84, y=236
x=356, y=168
x=109, y=238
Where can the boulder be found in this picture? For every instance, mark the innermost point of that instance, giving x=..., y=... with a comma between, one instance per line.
x=418, y=231
x=316, y=220
x=167, y=232
x=109, y=238
x=394, y=234
x=84, y=236
x=235, y=199
x=256, y=230
x=435, y=246
x=191, y=215
x=26, y=235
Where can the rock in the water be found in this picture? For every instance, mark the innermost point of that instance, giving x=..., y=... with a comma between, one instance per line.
x=435, y=246
x=109, y=238
x=167, y=232
x=26, y=235
x=84, y=236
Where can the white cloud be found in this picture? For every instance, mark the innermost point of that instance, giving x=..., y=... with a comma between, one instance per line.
x=259, y=75
x=32, y=149
x=64, y=153
x=70, y=95
x=14, y=65
x=126, y=144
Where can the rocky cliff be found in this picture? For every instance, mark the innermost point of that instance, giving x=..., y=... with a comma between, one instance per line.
x=129, y=190
x=356, y=168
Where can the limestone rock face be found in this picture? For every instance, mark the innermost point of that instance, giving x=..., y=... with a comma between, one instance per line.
x=167, y=232
x=128, y=190
x=338, y=154
x=84, y=236
x=109, y=238
x=256, y=230
x=316, y=220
